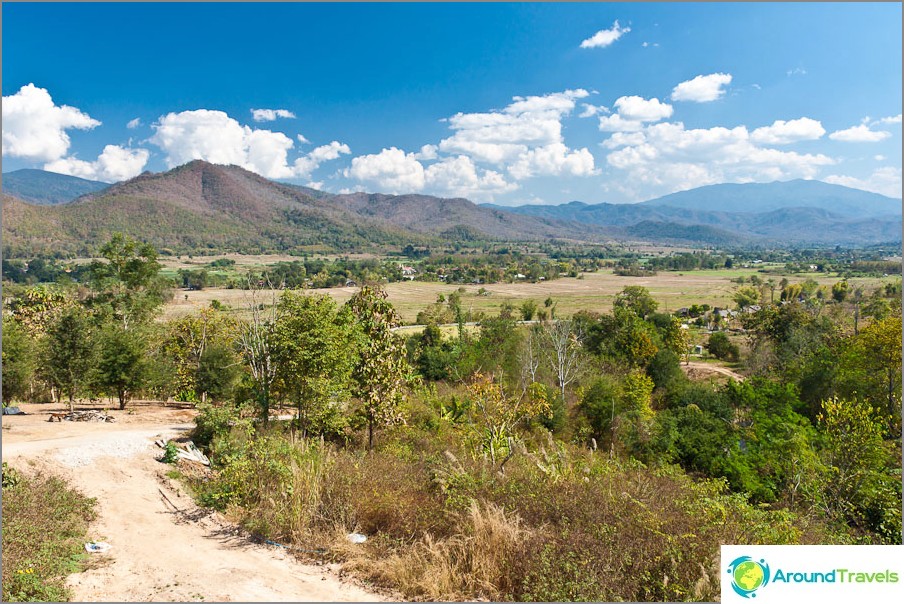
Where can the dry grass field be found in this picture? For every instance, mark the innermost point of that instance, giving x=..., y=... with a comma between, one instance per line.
x=595, y=291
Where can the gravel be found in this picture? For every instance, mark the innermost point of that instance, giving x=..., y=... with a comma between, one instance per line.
x=86, y=454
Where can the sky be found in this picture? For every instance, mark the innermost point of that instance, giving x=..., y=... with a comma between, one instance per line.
x=510, y=103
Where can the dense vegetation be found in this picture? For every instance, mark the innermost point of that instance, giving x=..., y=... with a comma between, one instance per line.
x=566, y=459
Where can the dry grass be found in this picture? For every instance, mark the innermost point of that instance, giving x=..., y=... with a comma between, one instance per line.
x=472, y=564
x=595, y=292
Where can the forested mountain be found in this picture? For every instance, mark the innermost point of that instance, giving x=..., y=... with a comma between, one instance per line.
x=47, y=188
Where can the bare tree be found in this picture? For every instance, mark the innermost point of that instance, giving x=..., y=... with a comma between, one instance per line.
x=256, y=343
x=563, y=351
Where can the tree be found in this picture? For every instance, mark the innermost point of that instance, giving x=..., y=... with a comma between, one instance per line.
x=19, y=360
x=636, y=299
x=857, y=462
x=381, y=368
x=313, y=356
x=528, y=309
x=873, y=365
x=722, y=348
x=840, y=291
x=563, y=352
x=218, y=372
x=67, y=352
x=128, y=283
x=746, y=296
x=256, y=343
x=186, y=341
x=120, y=366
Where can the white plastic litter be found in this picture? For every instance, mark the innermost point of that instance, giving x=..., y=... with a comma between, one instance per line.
x=97, y=547
x=357, y=537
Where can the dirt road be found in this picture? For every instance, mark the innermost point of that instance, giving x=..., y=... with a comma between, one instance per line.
x=159, y=553
x=697, y=371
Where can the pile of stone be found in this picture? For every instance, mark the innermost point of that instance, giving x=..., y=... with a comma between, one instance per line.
x=82, y=416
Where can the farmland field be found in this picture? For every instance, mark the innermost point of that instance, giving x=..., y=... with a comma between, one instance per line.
x=593, y=291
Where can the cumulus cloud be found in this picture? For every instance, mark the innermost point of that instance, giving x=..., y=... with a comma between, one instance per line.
x=520, y=136
x=34, y=127
x=885, y=181
x=395, y=171
x=304, y=166
x=666, y=157
x=591, y=110
x=605, y=37
x=702, y=89
x=859, y=134
x=269, y=115
x=632, y=112
x=391, y=170
x=553, y=160
x=215, y=137
x=133, y=123
x=114, y=164
x=792, y=131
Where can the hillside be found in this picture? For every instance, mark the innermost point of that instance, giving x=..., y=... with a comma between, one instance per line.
x=805, y=212
x=47, y=188
x=767, y=197
x=198, y=206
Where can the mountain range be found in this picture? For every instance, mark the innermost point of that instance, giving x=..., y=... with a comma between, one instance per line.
x=201, y=206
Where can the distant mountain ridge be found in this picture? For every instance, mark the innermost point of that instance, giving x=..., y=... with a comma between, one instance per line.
x=201, y=206
x=48, y=188
x=798, y=211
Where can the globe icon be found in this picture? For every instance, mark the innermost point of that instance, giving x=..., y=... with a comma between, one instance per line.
x=748, y=575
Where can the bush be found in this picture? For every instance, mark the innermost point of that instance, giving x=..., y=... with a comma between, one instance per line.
x=44, y=528
x=722, y=348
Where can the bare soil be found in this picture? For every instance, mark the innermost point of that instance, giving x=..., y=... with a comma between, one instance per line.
x=165, y=548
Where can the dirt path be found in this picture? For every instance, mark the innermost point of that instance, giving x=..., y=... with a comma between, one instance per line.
x=158, y=554
x=705, y=370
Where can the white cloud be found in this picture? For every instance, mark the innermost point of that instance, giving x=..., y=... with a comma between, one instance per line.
x=318, y=185
x=35, y=128
x=269, y=115
x=633, y=111
x=885, y=181
x=394, y=171
x=114, y=164
x=622, y=139
x=879, y=157
x=304, y=166
x=301, y=139
x=553, y=160
x=391, y=170
x=702, y=89
x=525, y=137
x=459, y=177
x=894, y=119
x=605, y=37
x=591, y=110
x=134, y=123
x=792, y=131
x=215, y=137
x=796, y=71
x=859, y=134
x=666, y=157
x=427, y=152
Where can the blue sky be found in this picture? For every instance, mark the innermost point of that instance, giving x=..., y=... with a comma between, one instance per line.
x=510, y=103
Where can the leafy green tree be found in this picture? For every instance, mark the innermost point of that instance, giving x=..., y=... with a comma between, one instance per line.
x=67, y=352
x=218, y=372
x=120, y=366
x=528, y=309
x=187, y=339
x=127, y=283
x=722, y=348
x=19, y=360
x=859, y=487
x=840, y=291
x=872, y=366
x=600, y=404
x=746, y=296
x=381, y=370
x=636, y=299
x=314, y=353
